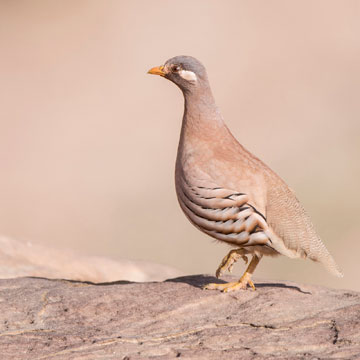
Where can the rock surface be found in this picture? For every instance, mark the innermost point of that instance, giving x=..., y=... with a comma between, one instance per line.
x=28, y=259
x=57, y=319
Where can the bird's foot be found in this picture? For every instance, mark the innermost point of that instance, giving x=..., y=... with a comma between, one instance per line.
x=244, y=281
x=229, y=260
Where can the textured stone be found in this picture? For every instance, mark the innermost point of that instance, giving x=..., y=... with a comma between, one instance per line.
x=57, y=319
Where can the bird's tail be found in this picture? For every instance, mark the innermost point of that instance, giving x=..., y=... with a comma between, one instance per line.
x=328, y=261
x=317, y=253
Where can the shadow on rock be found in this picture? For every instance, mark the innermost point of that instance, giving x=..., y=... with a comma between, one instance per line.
x=284, y=286
x=198, y=281
x=118, y=282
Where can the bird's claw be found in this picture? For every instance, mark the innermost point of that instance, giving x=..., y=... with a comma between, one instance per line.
x=232, y=286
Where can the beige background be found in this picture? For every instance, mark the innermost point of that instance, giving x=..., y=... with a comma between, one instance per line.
x=88, y=140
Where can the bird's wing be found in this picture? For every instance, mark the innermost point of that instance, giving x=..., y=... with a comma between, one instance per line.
x=225, y=214
x=290, y=222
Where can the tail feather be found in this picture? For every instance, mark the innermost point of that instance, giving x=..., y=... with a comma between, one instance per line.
x=317, y=253
x=329, y=263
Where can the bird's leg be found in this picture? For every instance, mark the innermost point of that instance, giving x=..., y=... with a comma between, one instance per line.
x=243, y=281
x=229, y=260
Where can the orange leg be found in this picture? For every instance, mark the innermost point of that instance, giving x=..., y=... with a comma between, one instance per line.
x=243, y=281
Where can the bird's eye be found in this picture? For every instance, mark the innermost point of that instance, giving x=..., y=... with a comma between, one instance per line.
x=175, y=68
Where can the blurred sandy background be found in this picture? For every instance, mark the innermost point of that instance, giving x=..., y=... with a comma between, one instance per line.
x=88, y=140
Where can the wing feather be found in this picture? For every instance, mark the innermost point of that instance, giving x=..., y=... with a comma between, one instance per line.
x=290, y=222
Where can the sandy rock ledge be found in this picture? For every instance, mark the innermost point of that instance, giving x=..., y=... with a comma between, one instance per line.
x=58, y=319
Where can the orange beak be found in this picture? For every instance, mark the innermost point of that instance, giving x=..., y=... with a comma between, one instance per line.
x=157, y=70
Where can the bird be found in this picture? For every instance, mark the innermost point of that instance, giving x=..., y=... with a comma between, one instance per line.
x=230, y=194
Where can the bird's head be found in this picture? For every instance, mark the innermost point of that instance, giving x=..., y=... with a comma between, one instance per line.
x=185, y=71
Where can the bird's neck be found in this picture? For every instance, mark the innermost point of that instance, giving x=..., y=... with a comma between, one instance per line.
x=203, y=133
x=202, y=118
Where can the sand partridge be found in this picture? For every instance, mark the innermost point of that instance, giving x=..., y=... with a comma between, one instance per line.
x=227, y=192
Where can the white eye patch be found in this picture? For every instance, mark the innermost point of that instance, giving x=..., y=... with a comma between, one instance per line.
x=188, y=75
